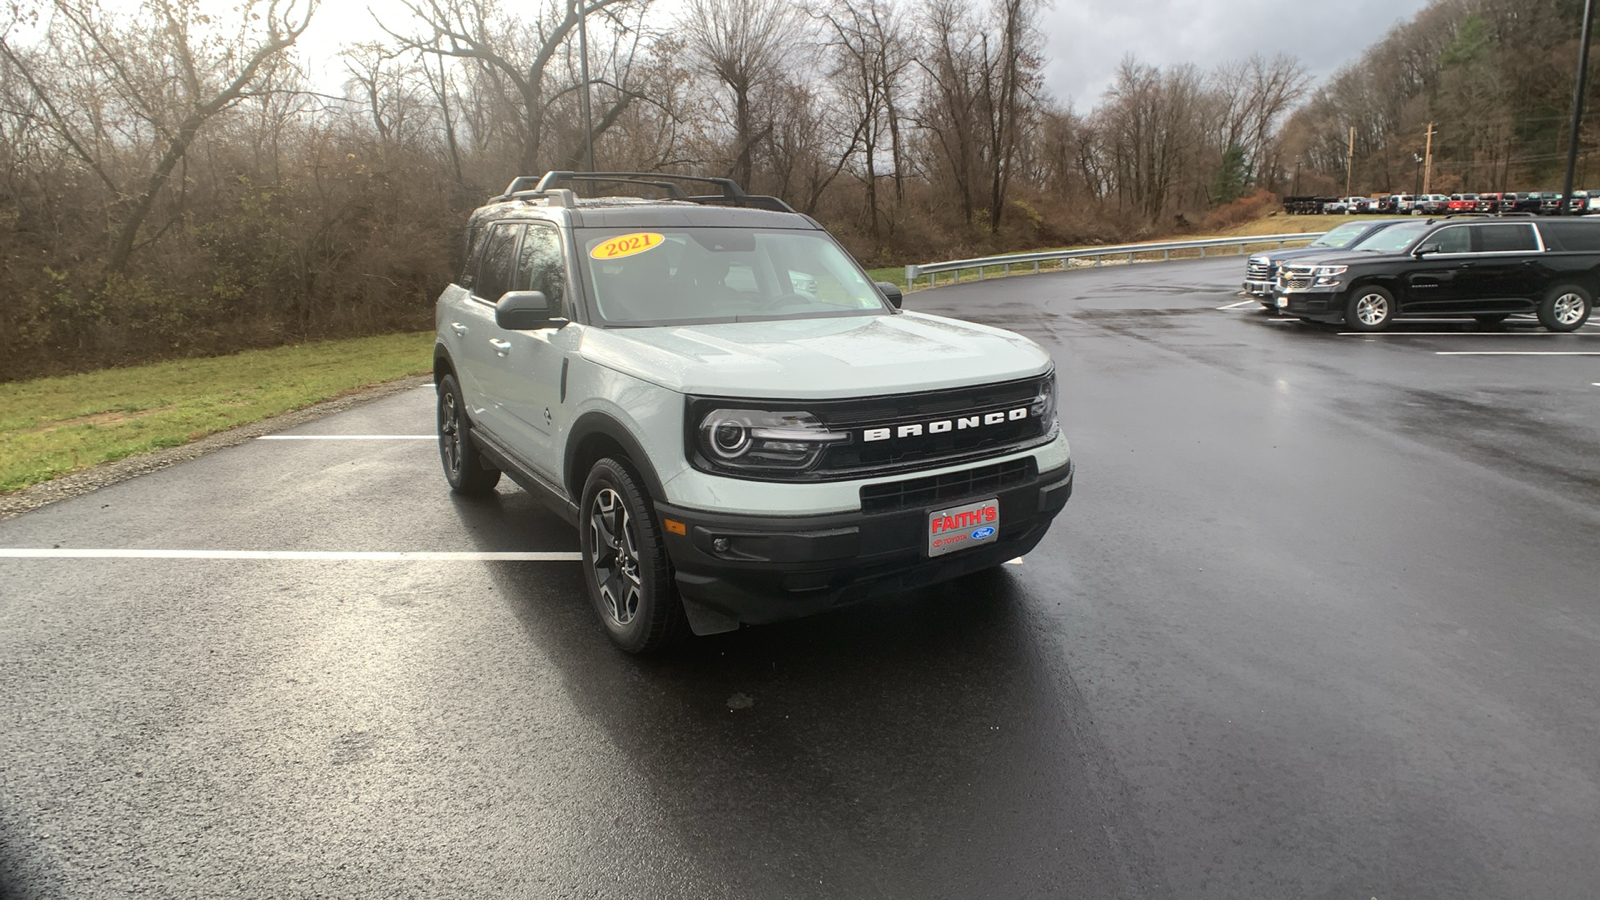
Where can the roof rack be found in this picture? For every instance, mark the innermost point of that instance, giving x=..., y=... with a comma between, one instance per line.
x=526, y=186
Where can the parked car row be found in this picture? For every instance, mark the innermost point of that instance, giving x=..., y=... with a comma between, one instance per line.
x=1486, y=269
x=1542, y=203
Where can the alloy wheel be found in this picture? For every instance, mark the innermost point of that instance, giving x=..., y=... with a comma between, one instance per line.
x=616, y=556
x=450, y=430
x=1569, y=308
x=1372, y=309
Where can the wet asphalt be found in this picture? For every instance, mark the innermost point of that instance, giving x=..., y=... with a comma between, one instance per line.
x=1320, y=621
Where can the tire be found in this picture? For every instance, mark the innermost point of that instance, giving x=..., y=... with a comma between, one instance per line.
x=1491, y=319
x=1370, y=308
x=625, y=561
x=464, y=466
x=1565, y=308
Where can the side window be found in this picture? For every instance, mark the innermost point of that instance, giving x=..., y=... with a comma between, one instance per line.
x=1508, y=238
x=494, y=264
x=541, y=265
x=1457, y=239
x=1580, y=235
x=469, y=270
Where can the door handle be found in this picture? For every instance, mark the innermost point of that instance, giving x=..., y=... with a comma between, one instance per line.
x=500, y=347
x=458, y=328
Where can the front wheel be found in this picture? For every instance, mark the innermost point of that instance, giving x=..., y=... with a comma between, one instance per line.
x=464, y=467
x=625, y=561
x=1370, y=308
x=1565, y=308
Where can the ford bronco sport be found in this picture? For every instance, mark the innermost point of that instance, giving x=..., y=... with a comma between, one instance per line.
x=743, y=427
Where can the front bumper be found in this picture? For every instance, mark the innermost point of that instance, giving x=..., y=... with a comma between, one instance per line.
x=1261, y=290
x=783, y=567
x=1317, y=303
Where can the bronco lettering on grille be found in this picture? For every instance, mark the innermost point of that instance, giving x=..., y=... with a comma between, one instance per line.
x=960, y=423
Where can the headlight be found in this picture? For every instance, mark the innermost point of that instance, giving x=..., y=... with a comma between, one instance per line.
x=1328, y=274
x=753, y=439
x=1043, y=407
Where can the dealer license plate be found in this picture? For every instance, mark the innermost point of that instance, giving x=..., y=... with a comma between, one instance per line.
x=960, y=527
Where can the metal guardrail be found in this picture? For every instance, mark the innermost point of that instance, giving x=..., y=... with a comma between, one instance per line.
x=1099, y=254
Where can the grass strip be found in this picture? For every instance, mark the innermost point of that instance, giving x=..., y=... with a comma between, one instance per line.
x=51, y=427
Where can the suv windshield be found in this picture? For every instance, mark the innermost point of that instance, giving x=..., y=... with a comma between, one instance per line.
x=1341, y=236
x=1394, y=238
x=704, y=275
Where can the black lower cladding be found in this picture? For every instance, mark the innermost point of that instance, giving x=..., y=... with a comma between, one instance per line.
x=759, y=569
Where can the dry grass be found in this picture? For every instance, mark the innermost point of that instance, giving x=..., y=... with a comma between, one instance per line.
x=1281, y=223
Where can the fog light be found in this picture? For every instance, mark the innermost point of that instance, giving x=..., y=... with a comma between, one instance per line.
x=721, y=544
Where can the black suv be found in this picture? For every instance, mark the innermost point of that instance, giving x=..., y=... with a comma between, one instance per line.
x=1486, y=268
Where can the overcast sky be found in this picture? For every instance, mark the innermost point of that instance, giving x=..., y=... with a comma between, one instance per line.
x=1086, y=39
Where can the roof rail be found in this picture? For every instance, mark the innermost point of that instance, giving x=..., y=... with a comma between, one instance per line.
x=731, y=193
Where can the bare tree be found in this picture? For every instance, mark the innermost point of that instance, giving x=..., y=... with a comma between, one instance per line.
x=513, y=57
x=870, y=54
x=1150, y=131
x=743, y=44
x=170, y=72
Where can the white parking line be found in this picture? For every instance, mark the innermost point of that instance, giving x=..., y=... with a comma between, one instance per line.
x=320, y=555
x=348, y=437
x=1464, y=334
x=1515, y=353
x=1251, y=302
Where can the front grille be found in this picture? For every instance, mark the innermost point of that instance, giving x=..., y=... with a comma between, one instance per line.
x=934, y=490
x=945, y=427
x=1258, y=271
x=1292, y=278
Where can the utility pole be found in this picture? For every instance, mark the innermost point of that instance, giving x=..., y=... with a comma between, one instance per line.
x=1577, y=105
x=1350, y=161
x=583, y=72
x=1427, y=161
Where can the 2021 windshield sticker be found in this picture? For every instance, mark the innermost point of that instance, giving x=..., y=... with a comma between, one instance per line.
x=626, y=245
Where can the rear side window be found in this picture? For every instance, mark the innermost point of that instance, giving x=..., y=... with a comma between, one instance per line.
x=1508, y=238
x=1580, y=236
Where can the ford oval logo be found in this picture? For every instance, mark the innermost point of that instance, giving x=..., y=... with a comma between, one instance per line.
x=983, y=532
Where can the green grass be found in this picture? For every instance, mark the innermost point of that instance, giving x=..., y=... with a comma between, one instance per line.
x=54, y=426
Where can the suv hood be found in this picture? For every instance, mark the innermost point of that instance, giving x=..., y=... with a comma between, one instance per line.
x=1346, y=258
x=1278, y=256
x=818, y=358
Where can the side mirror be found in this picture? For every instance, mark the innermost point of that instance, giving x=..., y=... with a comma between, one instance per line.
x=525, y=311
x=1425, y=249
x=890, y=292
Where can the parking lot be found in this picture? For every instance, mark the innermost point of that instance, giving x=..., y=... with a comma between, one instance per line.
x=1322, y=619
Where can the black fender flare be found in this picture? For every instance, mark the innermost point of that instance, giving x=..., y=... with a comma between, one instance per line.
x=442, y=362
x=599, y=423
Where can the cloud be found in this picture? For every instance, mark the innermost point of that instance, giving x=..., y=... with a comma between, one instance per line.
x=1086, y=39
